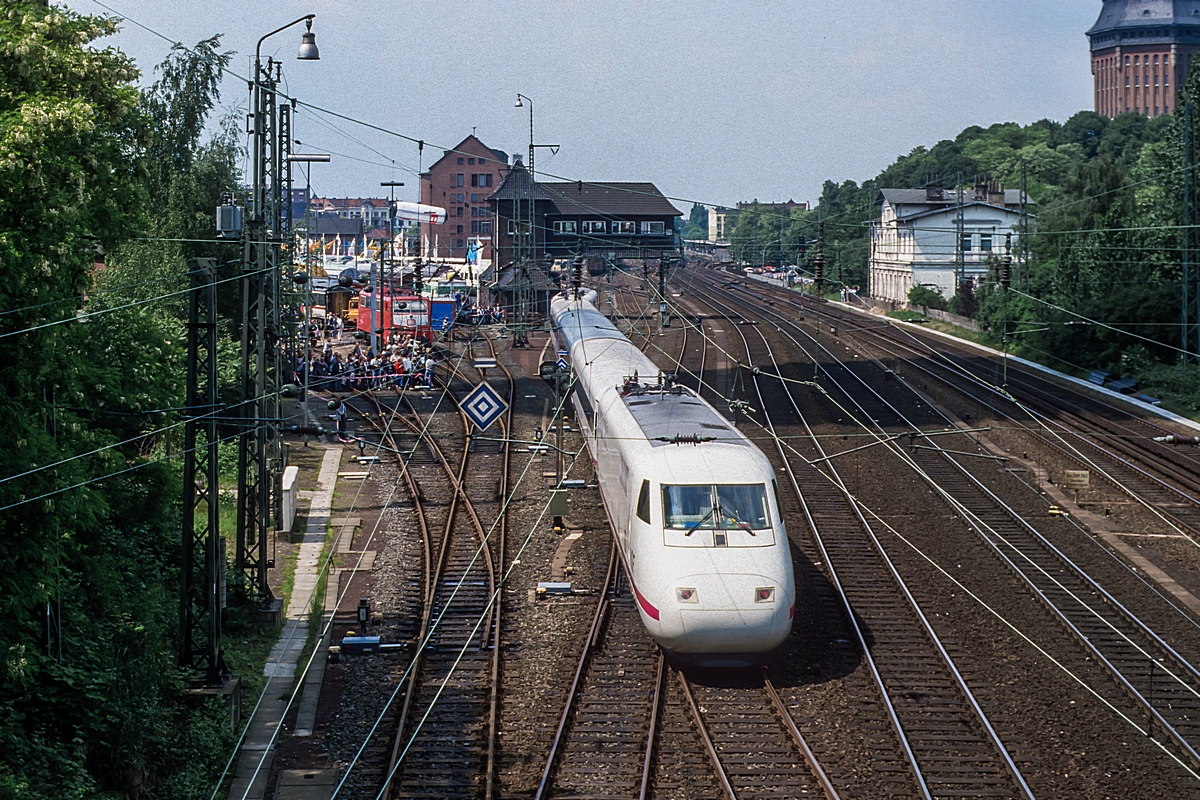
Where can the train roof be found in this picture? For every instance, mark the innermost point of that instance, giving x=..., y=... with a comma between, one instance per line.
x=583, y=321
x=676, y=415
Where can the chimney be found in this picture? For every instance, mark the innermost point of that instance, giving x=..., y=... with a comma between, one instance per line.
x=981, y=189
x=996, y=194
x=933, y=187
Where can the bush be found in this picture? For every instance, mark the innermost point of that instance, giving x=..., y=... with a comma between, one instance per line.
x=926, y=296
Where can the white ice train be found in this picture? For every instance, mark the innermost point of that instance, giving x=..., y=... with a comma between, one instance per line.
x=694, y=504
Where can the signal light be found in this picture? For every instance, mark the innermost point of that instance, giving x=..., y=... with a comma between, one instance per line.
x=687, y=595
x=764, y=594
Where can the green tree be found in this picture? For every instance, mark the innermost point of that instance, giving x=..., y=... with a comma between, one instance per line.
x=697, y=224
x=88, y=513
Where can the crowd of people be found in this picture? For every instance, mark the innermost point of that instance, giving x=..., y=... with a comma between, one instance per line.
x=406, y=361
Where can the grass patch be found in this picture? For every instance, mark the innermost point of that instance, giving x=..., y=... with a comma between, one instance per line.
x=905, y=315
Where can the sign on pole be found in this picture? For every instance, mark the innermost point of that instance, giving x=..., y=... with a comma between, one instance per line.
x=483, y=406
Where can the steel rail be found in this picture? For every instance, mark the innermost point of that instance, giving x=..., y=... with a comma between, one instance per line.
x=954, y=354
x=458, y=496
x=502, y=530
x=709, y=748
x=589, y=646
x=965, y=690
x=1145, y=703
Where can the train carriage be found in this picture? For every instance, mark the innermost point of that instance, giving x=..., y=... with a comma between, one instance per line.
x=692, y=501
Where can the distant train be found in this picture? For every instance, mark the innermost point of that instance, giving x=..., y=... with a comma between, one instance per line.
x=693, y=503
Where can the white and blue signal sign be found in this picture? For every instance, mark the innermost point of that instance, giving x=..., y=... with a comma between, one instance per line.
x=483, y=406
x=562, y=365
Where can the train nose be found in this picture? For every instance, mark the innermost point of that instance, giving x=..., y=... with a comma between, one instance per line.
x=734, y=613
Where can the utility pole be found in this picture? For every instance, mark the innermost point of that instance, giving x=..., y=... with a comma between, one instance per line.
x=203, y=554
x=819, y=292
x=960, y=264
x=1023, y=261
x=259, y=445
x=1190, y=316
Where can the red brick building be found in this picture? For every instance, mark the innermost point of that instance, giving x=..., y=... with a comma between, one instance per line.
x=1141, y=51
x=460, y=182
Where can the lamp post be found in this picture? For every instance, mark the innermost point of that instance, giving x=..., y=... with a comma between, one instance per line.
x=259, y=448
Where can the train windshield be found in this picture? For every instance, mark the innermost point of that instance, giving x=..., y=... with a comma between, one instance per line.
x=719, y=507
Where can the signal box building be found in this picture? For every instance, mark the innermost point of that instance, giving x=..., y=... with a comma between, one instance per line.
x=1141, y=51
x=607, y=220
x=461, y=182
x=916, y=240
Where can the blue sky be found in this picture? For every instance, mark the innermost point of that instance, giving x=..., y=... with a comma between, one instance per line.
x=713, y=100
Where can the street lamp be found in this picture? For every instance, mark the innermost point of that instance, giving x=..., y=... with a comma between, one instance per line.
x=308, y=43
x=519, y=104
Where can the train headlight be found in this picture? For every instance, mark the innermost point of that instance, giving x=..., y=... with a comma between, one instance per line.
x=764, y=594
x=687, y=595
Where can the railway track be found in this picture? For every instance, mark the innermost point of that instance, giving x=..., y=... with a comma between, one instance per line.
x=940, y=728
x=1090, y=433
x=445, y=741
x=605, y=737
x=1163, y=686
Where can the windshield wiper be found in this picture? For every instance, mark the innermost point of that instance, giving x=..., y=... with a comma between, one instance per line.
x=741, y=523
x=703, y=519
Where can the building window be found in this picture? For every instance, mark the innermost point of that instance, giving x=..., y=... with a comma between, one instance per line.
x=516, y=226
x=474, y=198
x=1156, y=61
x=459, y=229
x=460, y=180
x=459, y=213
x=624, y=227
x=653, y=228
x=593, y=226
x=563, y=226
x=965, y=243
x=985, y=242
x=460, y=242
x=474, y=225
x=460, y=160
x=485, y=226
x=458, y=198
x=470, y=161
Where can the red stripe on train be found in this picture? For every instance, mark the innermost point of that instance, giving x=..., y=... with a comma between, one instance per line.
x=650, y=610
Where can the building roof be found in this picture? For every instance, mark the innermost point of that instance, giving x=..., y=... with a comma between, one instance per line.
x=628, y=199
x=918, y=197
x=348, y=202
x=516, y=186
x=1119, y=15
x=458, y=150
x=338, y=226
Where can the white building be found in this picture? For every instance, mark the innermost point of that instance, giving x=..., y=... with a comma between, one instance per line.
x=916, y=239
x=720, y=224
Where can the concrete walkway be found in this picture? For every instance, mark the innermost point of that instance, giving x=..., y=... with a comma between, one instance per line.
x=254, y=759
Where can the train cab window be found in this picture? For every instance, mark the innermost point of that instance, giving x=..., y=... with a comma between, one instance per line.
x=643, y=505
x=721, y=507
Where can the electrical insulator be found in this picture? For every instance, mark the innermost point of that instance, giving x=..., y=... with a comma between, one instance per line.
x=819, y=268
